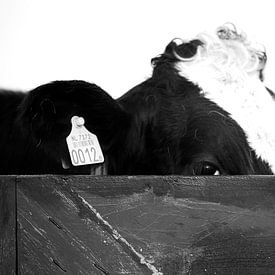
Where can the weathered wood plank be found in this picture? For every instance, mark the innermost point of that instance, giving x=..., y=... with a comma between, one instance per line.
x=7, y=226
x=137, y=225
x=223, y=225
x=57, y=234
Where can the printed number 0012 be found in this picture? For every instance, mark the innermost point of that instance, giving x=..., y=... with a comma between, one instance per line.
x=80, y=157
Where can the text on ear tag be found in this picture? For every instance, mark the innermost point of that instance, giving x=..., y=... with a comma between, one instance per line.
x=83, y=146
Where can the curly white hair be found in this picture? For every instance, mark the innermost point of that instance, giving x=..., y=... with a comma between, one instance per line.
x=229, y=70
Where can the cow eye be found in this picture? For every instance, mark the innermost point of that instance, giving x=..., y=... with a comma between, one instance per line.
x=206, y=168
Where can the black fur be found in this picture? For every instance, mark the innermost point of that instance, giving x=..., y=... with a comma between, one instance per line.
x=34, y=125
x=175, y=130
x=162, y=126
x=18, y=154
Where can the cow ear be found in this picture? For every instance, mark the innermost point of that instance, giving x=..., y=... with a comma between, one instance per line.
x=189, y=49
x=47, y=108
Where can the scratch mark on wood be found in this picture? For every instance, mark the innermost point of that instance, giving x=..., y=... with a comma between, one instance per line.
x=101, y=269
x=150, y=224
x=55, y=223
x=37, y=229
x=59, y=265
x=118, y=237
x=66, y=199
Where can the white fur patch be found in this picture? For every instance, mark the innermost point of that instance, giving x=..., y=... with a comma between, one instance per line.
x=227, y=70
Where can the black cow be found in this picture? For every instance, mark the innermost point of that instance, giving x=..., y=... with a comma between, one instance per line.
x=192, y=117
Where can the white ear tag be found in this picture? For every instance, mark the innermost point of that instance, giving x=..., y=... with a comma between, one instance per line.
x=83, y=146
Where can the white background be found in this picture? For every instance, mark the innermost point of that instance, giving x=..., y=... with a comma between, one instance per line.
x=112, y=42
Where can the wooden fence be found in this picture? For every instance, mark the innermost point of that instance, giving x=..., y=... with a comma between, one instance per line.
x=137, y=225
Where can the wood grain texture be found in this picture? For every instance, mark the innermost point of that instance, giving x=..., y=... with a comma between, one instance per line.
x=146, y=224
x=58, y=235
x=204, y=225
x=7, y=226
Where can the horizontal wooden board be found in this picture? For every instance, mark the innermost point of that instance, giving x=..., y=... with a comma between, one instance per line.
x=204, y=225
x=146, y=225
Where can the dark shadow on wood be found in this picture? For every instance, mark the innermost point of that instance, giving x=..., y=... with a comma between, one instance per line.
x=7, y=226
